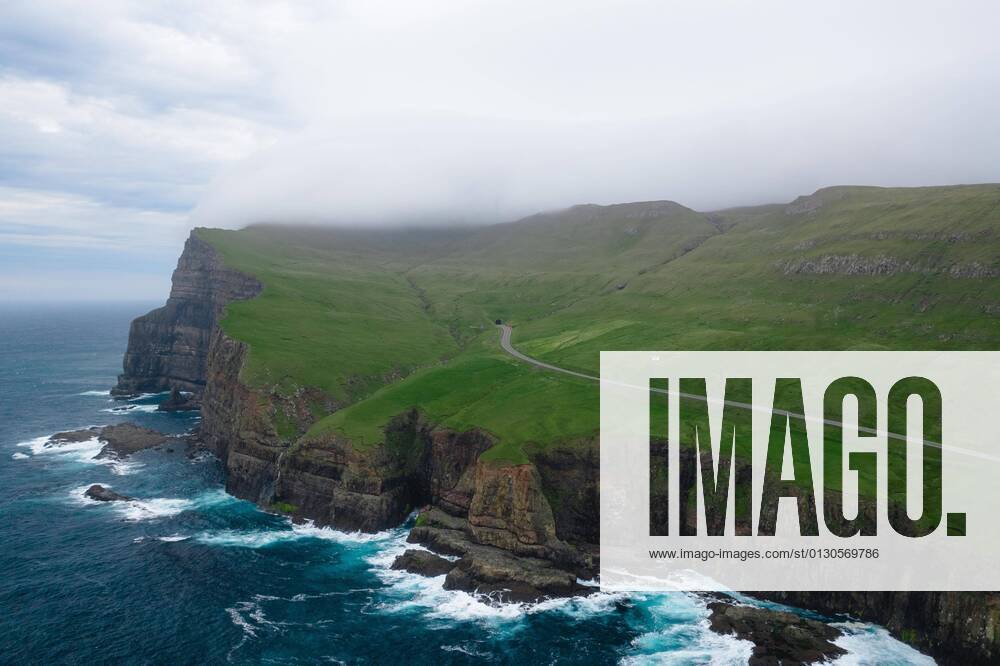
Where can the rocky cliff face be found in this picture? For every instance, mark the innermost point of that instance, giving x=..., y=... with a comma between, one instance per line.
x=954, y=627
x=242, y=426
x=884, y=265
x=168, y=348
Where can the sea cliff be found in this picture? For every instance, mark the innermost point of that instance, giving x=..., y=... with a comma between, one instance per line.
x=530, y=527
x=169, y=347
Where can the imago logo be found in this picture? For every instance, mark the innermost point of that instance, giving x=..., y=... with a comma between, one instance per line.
x=799, y=470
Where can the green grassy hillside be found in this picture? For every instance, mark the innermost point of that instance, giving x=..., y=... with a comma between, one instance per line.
x=339, y=315
x=391, y=320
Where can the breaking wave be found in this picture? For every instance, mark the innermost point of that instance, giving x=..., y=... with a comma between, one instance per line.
x=85, y=451
x=682, y=635
x=136, y=509
x=868, y=644
x=409, y=591
x=261, y=538
x=152, y=509
x=121, y=409
x=146, y=396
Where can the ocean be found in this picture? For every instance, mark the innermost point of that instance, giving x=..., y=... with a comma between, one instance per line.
x=186, y=574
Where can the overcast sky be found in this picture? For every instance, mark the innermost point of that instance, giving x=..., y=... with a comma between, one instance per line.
x=123, y=124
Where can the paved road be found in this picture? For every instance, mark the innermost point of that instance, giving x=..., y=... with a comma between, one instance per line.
x=505, y=332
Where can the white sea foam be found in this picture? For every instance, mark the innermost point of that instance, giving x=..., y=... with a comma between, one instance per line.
x=149, y=409
x=152, y=509
x=409, y=591
x=146, y=396
x=77, y=496
x=309, y=529
x=415, y=592
x=249, y=616
x=461, y=649
x=868, y=644
x=20, y=456
x=685, y=644
x=168, y=539
x=85, y=451
x=581, y=607
x=200, y=458
x=681, y=635
x=136, y=509
x=124, y=467
x=102, y=393
x=244, y=538
x=236, y=615
x=215, y=497
x=264, y=538
x=82, y=451
x=684, y=636
x=680, y=632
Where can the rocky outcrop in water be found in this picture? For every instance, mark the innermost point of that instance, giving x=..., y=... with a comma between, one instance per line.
x=180, y=401
x=120, y=441
x=123, y=440
x=485, y=569
x=99, y=493
x=778, y=637
x=168, y=348
x=423, y=562
x=74, y=436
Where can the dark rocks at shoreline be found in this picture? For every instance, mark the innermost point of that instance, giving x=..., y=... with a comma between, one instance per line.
x=180, y=401
x=423, y=562
x=120, y=441
x=779, y=637
x=503, y=577
x=75, y=435
x=124, y=439
x=487, y=570
x=169, y=347
x=102, y=494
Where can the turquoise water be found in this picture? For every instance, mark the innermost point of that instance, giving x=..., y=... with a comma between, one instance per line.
x=187, y=574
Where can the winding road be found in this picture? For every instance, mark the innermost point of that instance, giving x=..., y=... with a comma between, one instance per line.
x=506, y=330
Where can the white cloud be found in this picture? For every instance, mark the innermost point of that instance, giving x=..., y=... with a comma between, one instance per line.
x=123, y=116
x=30, y=217
x=85, y=143
x=490, y=110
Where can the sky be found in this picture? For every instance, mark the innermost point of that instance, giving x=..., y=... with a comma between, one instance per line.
x=124, y=124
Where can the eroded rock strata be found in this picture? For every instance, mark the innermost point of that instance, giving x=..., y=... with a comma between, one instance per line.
x=518, y=531
x=168, y=347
